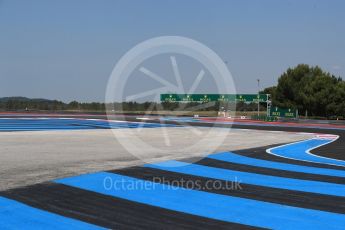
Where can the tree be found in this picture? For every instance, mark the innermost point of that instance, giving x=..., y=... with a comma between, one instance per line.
x=73, y=105
x=309, y=89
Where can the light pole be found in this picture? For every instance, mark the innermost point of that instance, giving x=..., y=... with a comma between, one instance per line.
x=258, y=97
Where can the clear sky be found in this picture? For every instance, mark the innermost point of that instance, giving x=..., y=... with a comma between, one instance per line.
x=66, y=49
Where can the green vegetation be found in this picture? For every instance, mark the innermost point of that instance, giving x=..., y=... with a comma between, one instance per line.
x=23, y=103
x=27, y=104
x=311, y=90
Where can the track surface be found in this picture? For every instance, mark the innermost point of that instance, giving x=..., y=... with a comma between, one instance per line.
x=335, y=149
x=43, y=124
x=241, y=190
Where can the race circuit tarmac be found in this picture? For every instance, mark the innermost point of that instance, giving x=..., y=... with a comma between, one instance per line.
x=281, y=186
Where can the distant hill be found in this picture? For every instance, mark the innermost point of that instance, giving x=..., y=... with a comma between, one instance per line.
x=23, y=99
x=34, y=104
x=5, y=99
x=24, y=103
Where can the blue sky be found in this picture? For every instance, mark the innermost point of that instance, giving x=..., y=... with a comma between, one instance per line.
x=66, y=49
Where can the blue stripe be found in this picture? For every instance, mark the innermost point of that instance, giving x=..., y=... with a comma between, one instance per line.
x=299, y=150
x=15, y=215
x=69, y=124
x=210, y=205
x=235, y=158
x=251, y=178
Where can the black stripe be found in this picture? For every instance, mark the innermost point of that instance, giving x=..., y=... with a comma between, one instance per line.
x=266, y=171
x=333, y=150
x=110, y=212
x=260, y=153
x=268, y=194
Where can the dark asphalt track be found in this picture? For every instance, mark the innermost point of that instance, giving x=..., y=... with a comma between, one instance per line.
x=110, y=212
x=334, y=150
x=116, y=213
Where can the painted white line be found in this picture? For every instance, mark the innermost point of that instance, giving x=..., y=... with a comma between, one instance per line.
x=308, y=151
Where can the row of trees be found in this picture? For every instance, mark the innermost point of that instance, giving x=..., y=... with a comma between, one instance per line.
x=311, y=90
x=21, y=103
